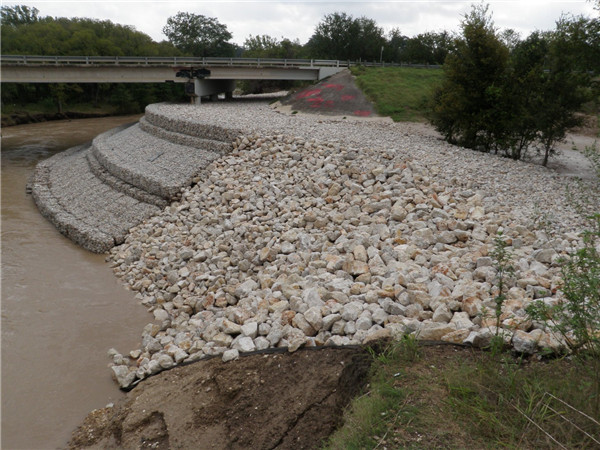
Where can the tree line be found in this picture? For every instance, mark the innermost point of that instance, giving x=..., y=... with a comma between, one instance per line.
x=338, y=36
x=25, y=32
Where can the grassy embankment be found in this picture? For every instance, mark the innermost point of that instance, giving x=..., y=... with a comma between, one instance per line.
x=402, y=93
x=452, y=397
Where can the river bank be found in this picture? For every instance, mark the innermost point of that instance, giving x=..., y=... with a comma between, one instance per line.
x=312, y=223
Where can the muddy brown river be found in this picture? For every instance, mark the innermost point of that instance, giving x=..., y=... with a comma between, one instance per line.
x=62, y=308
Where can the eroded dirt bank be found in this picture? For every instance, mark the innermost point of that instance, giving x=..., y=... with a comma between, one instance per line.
x=261, y=401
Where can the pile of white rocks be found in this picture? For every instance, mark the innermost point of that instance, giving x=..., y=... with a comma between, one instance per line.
x=290, y=242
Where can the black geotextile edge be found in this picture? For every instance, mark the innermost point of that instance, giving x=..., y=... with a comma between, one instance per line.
x=280, y=350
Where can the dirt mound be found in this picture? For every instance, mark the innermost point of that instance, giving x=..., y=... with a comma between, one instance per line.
x=281, y=400
x=337, y=95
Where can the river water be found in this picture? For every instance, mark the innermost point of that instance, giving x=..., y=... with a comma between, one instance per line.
x=62, y=308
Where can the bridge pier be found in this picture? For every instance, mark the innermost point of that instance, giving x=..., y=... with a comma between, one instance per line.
x=212, y=88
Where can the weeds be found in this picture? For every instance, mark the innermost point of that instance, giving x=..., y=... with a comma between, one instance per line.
x=462, y=398
x=370, y=414
x=575, y=319
x=510, y=403
x=593, y=154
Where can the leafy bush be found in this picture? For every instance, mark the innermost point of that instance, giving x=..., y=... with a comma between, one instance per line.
x=577, y=318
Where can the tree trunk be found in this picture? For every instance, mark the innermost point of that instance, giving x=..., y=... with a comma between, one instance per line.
x=546, y=155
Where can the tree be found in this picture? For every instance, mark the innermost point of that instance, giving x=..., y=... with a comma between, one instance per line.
x=492, y=102
x=465, y=105
x=370, y=40
x=265, y=46
x=428, y=48
x=291, y=49
x=543, y=89
x=510, y=38
x=395, y=45
x=18, y=15
x=579, y=38
x=340, y=36
x=268, y=47
x=564, y=88
x=198, y=35
x=518, y=114
x=29, y=35
x=260, y=46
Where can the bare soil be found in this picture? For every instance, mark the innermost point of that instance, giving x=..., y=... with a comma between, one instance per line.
x=261, y=401
x=337, y=95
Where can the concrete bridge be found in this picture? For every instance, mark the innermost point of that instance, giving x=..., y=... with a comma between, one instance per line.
x=210, y=76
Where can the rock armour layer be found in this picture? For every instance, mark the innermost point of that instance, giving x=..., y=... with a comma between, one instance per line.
x=337, y=233
x=95, y=193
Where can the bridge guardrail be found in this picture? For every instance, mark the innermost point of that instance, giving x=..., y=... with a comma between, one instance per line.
x=188, y=60
x=173, y=61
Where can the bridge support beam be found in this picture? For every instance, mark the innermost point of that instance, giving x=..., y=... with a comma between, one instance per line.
x=212, y=88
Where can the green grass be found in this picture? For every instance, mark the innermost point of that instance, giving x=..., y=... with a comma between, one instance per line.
x=402, y=93
x=450, y=397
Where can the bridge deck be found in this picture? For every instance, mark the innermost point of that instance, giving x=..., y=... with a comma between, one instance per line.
x=142, y=69
x=104, y=69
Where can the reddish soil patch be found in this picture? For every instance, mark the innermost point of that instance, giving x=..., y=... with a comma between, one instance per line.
x=260, y=401
x=337, y=95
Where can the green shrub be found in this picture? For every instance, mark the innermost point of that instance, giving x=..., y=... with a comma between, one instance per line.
x=504, y=103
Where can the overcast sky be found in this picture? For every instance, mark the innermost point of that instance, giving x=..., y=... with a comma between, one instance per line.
x=297, y=19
